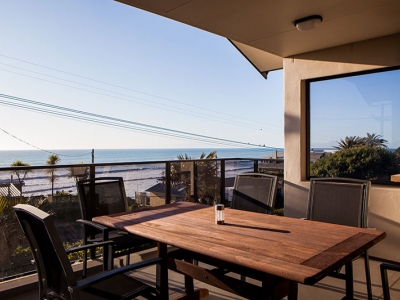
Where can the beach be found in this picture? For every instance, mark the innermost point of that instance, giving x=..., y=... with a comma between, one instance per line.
x=137, y=178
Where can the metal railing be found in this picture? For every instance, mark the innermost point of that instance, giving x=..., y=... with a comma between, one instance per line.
x=147, y=183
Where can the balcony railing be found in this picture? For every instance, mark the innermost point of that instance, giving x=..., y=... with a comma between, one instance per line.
x=152, y=183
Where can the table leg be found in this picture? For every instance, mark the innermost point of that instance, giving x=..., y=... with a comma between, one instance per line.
x=349, y=281
x=162, y=273
x=276, y=288
x=293, y=291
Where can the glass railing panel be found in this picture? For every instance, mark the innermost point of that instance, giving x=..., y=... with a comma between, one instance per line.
x=233, y=168
x=54, y=190
x=182, y=181
x=143, y=182
x=208, y=182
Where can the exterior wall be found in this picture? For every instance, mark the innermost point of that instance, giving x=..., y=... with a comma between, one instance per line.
x=384, y=210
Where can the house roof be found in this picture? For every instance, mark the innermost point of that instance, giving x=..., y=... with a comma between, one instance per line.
x=264, y=31
x=160, y=188
x=9, y=190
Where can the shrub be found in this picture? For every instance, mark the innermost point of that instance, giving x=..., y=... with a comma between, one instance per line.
x=371, y=163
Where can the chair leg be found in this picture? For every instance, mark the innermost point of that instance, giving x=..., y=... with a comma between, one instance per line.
x=108, y=258
x=368, y=275
x=84, y=269
x=385, y=282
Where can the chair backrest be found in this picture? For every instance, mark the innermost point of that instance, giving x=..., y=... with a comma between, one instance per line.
x=341, y=201
x=255, y=192
x=101, y=196
x=55, y=273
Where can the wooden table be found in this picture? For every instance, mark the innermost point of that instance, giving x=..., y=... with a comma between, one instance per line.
x=280, y=251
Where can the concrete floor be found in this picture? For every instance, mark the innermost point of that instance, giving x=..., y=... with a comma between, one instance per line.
x=327, y=289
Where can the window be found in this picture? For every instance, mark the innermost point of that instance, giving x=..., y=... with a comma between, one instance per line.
x=354, y=126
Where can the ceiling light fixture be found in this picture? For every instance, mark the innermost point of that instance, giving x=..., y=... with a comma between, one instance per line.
x=308, y=23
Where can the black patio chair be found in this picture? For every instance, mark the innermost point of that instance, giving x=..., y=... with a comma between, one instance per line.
x=255, y=192
x=104, y=196
x=385, y=282
x=55, y=275
x=342, y=201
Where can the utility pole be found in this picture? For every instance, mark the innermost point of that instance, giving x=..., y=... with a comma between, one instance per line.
x=92, y=171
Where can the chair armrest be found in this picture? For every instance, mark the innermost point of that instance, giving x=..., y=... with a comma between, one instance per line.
x=93, y=224
x=104, y=229
x=391, y=267
x=384, y=277
x=105, y=275
x=90, y=246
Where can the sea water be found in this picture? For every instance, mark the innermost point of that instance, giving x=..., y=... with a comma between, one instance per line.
x=137, y=178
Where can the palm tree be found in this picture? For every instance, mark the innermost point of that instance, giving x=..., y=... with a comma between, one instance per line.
x=52, y=160
x=374, y=140
x=348, y=142
x=21, y=175
x=371, y=140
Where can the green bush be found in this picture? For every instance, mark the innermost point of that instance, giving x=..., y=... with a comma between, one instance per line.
x=371, y=163
x=62, y=193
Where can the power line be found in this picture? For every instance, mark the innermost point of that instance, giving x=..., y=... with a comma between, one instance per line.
x=115, y=122
x=166, y=108
x=129, y=89
x=41, y=148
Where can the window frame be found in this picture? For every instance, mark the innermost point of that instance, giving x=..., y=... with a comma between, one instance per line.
x=308, y=83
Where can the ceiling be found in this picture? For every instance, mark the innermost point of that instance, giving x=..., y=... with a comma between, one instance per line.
x=263, y=30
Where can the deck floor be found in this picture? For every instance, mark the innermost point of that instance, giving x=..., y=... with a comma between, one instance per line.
x=327, y=289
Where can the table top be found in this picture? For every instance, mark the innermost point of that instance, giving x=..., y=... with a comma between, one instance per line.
x=300, y=250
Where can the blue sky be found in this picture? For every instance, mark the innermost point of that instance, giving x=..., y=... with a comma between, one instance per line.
x=111, y=59
x=355, y=106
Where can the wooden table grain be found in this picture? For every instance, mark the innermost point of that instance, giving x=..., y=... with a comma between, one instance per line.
x=297, y=250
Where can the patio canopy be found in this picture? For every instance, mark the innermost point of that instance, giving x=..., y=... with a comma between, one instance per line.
x=264, y=31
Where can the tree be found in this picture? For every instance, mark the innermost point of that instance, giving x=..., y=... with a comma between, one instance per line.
x=371, y=140
x=397, y=151
x=363, y=162
x=52, y=160
x=21, y=175
x=348, y=142
x=374, y=140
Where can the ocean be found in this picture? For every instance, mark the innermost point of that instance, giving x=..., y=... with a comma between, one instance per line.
x=137, y=178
